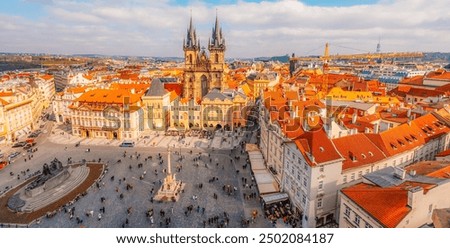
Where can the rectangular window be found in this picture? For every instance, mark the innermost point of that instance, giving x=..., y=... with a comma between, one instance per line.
x=305, y=182
x=368, y=225
x=357, y=219
x=347, y=211
x=352, y=177
x=359, y=174
x=320, y=185
x=304, y=199
x=344, y=179
x=319, y=203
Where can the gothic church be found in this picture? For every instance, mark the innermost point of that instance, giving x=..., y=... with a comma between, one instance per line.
x=203, y=71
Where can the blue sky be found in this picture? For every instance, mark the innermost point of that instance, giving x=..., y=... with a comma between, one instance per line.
x=34, y=9
x=251, y=28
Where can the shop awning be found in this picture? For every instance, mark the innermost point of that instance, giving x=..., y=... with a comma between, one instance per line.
x=274, y=198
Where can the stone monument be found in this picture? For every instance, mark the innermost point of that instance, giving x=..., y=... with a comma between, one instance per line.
x=171, y=188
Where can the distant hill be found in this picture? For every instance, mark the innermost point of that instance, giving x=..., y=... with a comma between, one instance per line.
x=436, y=56
x=282, y=58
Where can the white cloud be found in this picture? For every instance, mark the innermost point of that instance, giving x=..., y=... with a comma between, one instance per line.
x=157, y=28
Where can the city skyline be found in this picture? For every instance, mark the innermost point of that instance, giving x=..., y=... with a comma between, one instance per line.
x=251, y=28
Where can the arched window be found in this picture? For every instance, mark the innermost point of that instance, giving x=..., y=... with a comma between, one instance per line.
x=190, y=58
x=216, y=58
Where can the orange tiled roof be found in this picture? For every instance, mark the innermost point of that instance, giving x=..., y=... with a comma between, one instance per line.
x=430, y=126
x=444, y=153
x=440, y=74
x=441, y=173
x=177, y=87
x=317, y=143
x=88, y=76
x=6, y=93
x=3, y=102
x=398, y=139
x=357, y=151
x=77, y=90
x=444, y=88
x=109, y=96
x=424, y=92
x=427, y=168
x=173, y=95
x=396, y=115
x=47, y=77
x=129, y=76
x=416, y=80
x=387, y=205
x=138, y=87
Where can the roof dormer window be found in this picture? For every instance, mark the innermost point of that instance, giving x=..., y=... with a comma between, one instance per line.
x=393, y=146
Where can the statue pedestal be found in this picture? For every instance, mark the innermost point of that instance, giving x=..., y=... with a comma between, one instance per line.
x=170, y=190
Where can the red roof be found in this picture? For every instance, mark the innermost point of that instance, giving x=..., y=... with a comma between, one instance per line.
x=357, y=151
x=444, y=153
x=46, y=77
x=317, y=143
x=440, y=74
x=398, y=139
x=424, y=92
x=387, y=205
x=177, y=87
x=109, y=96
x=431, y=126
x=416, y=80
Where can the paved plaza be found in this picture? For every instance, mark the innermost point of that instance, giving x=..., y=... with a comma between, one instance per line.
x=212, y=197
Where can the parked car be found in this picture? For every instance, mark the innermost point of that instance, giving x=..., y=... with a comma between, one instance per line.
x=19, y=144
x=127, y=144
x=13, y=155
x=32, y=135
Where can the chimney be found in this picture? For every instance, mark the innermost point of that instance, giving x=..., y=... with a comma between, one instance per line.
x=375, y=128
x=414, y=196
x=305, y=124
x=399, y=173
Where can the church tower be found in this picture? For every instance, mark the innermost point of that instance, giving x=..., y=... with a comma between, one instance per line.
x=216, y=49
x=191, y=47
x=203, y=71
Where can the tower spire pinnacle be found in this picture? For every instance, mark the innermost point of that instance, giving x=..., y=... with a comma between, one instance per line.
x=216, y=40
x=191, y=39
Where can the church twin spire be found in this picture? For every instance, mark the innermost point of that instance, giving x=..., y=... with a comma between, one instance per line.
x=215, y=42
x=191, y=39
